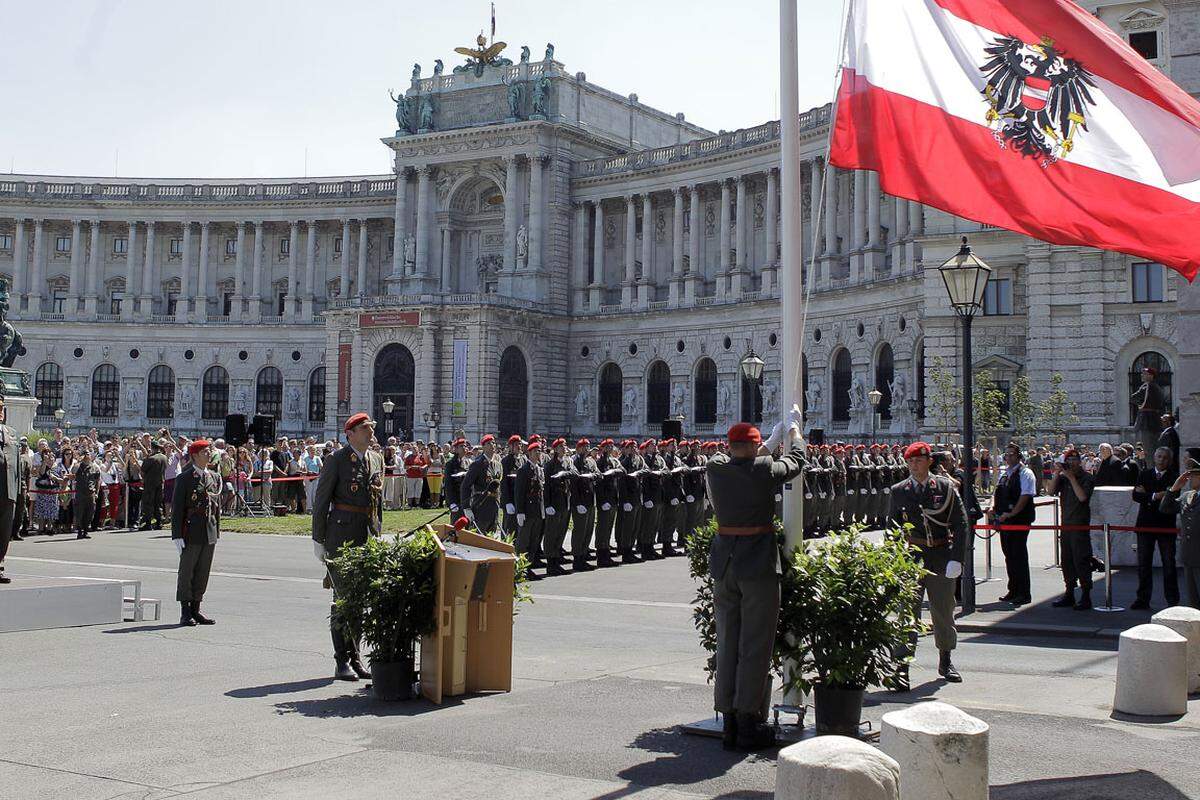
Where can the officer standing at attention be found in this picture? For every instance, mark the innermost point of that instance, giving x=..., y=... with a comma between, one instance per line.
x=9, y=456
x=529, y=498
x=195, y=528
x=509, y=465
x=347, y=508
x=154, y=468
x=481, y=488
x=583, y=504
x=931, y=504
x=607, y=490
x=560, y=474
x=630, y=490
x=455, y=470
x=744, y=565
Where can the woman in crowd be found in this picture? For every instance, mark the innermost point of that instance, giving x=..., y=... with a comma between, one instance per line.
x=133, y=476
x=45, y=502
x=414, y=470
x=433, y=474
x=110, y=487
x=64, y=472
x=393, y=481
x=264, y=471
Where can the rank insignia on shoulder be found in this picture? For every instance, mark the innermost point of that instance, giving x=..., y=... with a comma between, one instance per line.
x=354, y=457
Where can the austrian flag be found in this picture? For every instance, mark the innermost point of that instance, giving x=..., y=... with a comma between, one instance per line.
x=1030, y=115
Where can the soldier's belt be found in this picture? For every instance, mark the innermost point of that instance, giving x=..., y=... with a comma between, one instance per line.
x=744, y=530
x=927, y=542
x=352, y=509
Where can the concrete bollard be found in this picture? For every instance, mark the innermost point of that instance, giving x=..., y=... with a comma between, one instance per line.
x=1185, y=621
x=835, y=768
x=942, y=752
x=1151, y=672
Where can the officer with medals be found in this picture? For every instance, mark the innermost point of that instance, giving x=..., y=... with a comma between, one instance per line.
x=454, y=470
x=630, y=491
x=480, y=497
x=529, y=497
x=931, y=505
x=509, y=465
x=583, y=505
x=744, y=564
x=195, y=528
x=347, y=508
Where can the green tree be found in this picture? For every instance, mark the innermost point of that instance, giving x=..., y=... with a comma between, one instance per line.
x=1057, y=411
x=946, y=399
x=1022, y=412
x=987, y=401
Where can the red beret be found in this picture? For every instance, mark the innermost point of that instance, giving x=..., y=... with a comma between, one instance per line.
x=529, y=448
x=645, y=444
x=198, y=445
x=1070, y=452
x=744, y=432
x=860, y=447
x=358, y=419
x=558, y=441
x=824, y=447
x=461, y=523
x=537, y=437
x=514, y=439
x=582, y=443
x=487, y=438
x=459, y=443
x=607, y=443
x=839, y=449
x=917, y=449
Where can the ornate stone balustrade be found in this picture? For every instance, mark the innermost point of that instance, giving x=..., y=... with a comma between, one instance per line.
x=34, y=188
x=400, y=300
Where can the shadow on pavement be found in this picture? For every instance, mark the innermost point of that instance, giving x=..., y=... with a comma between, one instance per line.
x=360, y=704
x=1121, y=786
x=147, y=628
x=684, y=760
x=280, y=688
x=1138, y=719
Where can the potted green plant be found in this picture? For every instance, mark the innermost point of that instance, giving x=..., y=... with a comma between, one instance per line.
x=387, y=592
x=848, y=609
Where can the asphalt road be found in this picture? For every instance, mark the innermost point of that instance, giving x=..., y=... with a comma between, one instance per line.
x=606, y=665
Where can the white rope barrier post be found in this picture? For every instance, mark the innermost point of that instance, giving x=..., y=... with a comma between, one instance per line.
x=1108, y=606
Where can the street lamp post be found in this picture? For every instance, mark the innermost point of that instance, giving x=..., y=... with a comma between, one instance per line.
x=752, y=369
x=875, y=397
x=389, y=426
x=966, y=276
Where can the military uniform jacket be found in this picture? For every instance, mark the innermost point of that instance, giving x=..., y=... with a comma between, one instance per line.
x=743, y=495
x=559, y=477
x=838, y=467
x=529, y=489
x=583, y=488
x=87, y=480
x=672, y=485
x=1187, y=506
x=936, y=513
x=608, y=488
x=509, y=466
x=346, y=505
x=196, y=506
x=693, y=479
x=630, y=486
x=482, y=481
x=10, y=462
x=652, y=478
x=453, y=471
x=154, y=467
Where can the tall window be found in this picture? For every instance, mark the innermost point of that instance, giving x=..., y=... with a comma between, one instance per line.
x=268, y=394
x=176, y=247
x=885, y=373
x=226, y=303
x=1145, y=43
x=106, y=391
x=231, y=247
x=214, y=393
x=1163, y=379
x=160, y=393
x=285, y=246
x=172, y=303
x=609, y=407
x=658, y=393
x=58, y=301
x=120, y=245
x=62, y=244
x=114, y=301
x=1147, y=282
x=705, y=392
x=841, y=386
x=316, y=396
x=48, y=387
x=6, y=241
x=997, y=298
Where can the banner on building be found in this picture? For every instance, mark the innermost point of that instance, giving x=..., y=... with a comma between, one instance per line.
x=345, y=359
x=389, y=319
x=458, y=405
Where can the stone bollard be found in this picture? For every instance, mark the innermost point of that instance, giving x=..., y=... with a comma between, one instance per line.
x=835, y=768
x=1151, y=672
x=942, y=752
x=1185, y=621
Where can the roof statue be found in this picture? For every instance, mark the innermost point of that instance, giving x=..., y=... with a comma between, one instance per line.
x=482, y=55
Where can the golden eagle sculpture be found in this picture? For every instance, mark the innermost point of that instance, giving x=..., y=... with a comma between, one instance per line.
x=482, y=55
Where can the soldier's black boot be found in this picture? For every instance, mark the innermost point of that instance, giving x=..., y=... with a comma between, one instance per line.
x=729, y=732
x=1066, y=601
x=342, y=671
x=946, y=668
x=359, y=669
x=555, y=568
x=581, y=566
x=200, y=618
x=1085, y=601
x=630, y=557
x=753, y=733
x=185, y=615
x=605, y=559
x=669, y=551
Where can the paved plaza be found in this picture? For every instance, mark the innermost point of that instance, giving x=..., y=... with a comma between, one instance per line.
x=606, y=665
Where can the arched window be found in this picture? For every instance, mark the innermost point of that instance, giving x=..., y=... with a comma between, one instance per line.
x=514, y=392
x=885, y=374
x=609, y=407
x=841, y=386
x=48, y=388
x=752, y=401
x=658, y=393
x=395, y=379
x=160, y=393
x=268, y=393
x=1159, y=362
x=214, y=393
x=106, y=391
x=706, y=392
x=316, y=396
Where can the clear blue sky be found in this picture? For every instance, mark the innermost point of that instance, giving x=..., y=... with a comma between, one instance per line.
x=222, y=88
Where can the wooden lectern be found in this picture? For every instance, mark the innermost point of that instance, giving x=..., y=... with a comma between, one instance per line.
x=471, y=650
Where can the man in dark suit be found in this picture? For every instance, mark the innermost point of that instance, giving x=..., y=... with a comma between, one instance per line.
x=9, y=490
x=744, y=566
x=932, y=505
x=348, y=508
x=195, y=528
x=154, y=469
x=1151, y=487
x=1169, y=438
x=480, y=491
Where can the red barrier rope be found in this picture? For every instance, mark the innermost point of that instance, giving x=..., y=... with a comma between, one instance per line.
x=1118, y=528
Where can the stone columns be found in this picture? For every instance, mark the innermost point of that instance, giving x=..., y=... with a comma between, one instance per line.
x=400, y=231
x=900, y=213
x=127, y=302
x=203, y=279
x=239, y=272
x=676, y=283
x=444, y=280
x=816, y=178
x=289, y=292
x=39, y=257
x=916, y=219
x=146, y=300
x=647, y=282
x=256, y=271
x=597, y=255
x=723, y=238
x=858, y=226
x=579, y=255
x=831, y=214
x=94, y=270
x=536, y=209
x=362, y=258
x=694, y=283
x=873, y=260
x=72, y=307
x=19, y=266
x=423, y=222
x=739, y=227
x=344, y=265
x=185, y=276
x=629, y=285
x=772, y=214
x=510, y=213
x=310, y=272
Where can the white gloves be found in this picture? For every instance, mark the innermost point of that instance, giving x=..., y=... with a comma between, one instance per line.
x=509, y=508
x=520, y=519
x=627, y=507
x=319, y=552
x=454, y=508
x=606, y=506
x=796, y=416
x=691, y=498
x=649, y=504
x=808, y=497
x=550, y=512
x=178, y=545
x=953, y=569
x=581, y=509
x=469, y=514
x=674, y=501
x=777, y=433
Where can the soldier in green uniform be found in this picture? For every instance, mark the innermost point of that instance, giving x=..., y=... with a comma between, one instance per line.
x=195, y=528
x=583, y=505
x=481, y=488
x=744, y=564
x=454, y=470
x=693, y=487
x=9, y=491
x=652, y=499
x=607, y=491
x=154, y=469
x=347, y=508
x=671, y=519
x=630, y=495
x=838, y=465
x=529, y=500
x=86, y=484
x=560, y=474
x=509, y=465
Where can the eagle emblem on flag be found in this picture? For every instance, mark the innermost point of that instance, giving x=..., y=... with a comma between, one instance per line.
x=1038, y=98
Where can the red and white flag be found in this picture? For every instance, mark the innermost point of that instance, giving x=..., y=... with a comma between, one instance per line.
x=1030, y=115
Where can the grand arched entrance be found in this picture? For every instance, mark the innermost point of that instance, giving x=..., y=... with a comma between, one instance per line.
x=475, y=236
x=395, y=380
x=514, y=393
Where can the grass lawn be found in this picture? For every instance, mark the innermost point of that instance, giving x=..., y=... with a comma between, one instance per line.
x=301, y=524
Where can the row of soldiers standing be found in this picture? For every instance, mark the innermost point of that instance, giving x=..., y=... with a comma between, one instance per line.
x=849, y=484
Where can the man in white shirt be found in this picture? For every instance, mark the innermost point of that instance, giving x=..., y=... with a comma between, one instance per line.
x=1012, y=505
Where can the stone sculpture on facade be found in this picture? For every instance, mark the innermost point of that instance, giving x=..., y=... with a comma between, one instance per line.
x=482, y=55
x=525, y=54
x=678, y=400
x=582, y=402
x=416, y=72
x=858, y=395
x=522, y=243
x=410, y=250
x=438, y=66
x=133, y=399
x=241, y=400
x=770, y=398
x=514, y=100
x=403, y=112
x=541, y=97
x=293, y=402
x=75, y=399
x=427, y=113
x=186, y=399
x=724, y=400
x=549, y=52
x=629, y=404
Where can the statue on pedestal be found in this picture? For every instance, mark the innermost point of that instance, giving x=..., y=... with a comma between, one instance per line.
x=541, y=96
x=582, y=402
x=10, y=340
x=438, y=66
x=549, y=52
x=629, y=404
x=724, y=400
x=770, y=398
x=514, y=100
x=678, y=400
x=522, y=242
x=525, y=54
x=410, y=250
x=403, y=112
x=416, y=72
x=427, y=113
